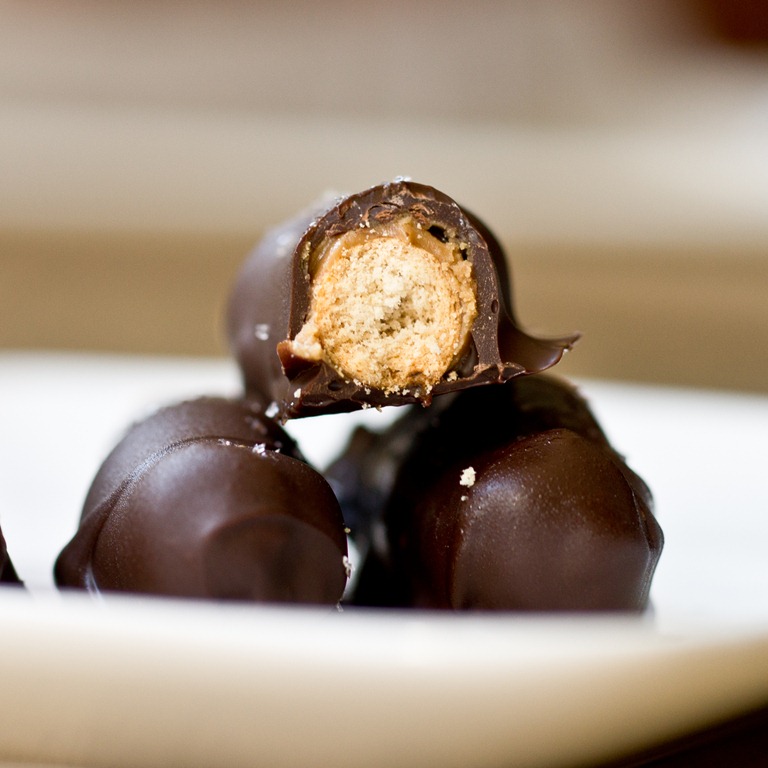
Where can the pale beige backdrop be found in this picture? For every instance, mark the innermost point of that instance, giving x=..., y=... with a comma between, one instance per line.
x=618, y=149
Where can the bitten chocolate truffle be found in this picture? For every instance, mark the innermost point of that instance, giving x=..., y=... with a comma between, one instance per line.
x=500, y=498
x=209, y=498
x=389, y=296
x=8, y=574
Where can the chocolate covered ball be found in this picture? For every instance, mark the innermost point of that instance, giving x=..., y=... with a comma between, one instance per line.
x=211, y=499
x=549, y=522
x=505, y=497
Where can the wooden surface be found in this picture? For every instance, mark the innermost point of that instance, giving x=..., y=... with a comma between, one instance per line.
x=689, y=317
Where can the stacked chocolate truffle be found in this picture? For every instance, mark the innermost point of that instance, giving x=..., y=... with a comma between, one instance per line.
x=495, y=490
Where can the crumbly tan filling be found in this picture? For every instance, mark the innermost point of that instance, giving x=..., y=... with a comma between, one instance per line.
x=390, y=308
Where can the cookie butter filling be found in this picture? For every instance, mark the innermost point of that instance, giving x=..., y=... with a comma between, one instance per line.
x=390, y=308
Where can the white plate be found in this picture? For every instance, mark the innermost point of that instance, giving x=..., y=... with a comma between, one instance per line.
x=135, y=682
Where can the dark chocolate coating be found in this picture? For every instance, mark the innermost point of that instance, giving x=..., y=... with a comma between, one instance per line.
x=8, y=574
x=417, y=447
x=270, y=301
x=552, y=519
x=550, y=522
x=210, y=499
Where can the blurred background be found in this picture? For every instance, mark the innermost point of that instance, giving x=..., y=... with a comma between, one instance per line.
x=618, y=149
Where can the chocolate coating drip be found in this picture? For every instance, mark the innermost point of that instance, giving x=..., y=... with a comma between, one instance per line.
x=390, y=296
x=8, y=574
x=209, y=498
x=506, y=497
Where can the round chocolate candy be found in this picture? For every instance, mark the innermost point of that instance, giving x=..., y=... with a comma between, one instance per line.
x=549, y=522
x=501, y=497
x=209, y=498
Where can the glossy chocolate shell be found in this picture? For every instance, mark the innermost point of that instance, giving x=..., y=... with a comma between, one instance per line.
x=209, y=498
x=500, y=498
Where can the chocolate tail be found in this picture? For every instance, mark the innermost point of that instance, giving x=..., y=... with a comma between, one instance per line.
x=8, y=575
x=533, y=354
